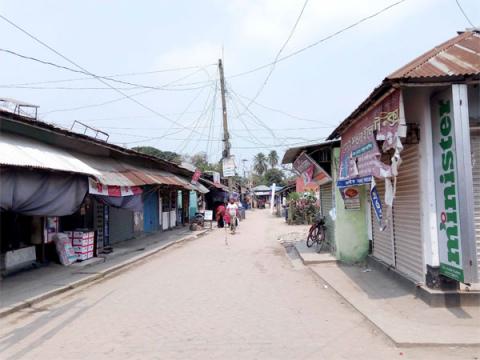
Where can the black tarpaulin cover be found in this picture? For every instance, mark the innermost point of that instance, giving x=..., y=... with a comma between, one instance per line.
x=41, y=193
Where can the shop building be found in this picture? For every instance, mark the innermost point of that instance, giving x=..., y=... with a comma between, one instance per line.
x=54, y=180
x=316, y=170
x=409, y=159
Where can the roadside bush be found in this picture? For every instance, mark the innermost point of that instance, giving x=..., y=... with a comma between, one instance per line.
x=302, y=208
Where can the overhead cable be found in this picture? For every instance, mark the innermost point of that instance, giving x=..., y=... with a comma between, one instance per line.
x=133, y=85
x=86, y=71
x=328, y=37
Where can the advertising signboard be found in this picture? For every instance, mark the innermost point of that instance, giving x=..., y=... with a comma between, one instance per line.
x=310, y=170
x=453, y=223
x=359, y=152
x=228, y=166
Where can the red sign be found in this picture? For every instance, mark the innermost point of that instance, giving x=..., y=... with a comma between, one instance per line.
x=359, y=153
x=196, y=176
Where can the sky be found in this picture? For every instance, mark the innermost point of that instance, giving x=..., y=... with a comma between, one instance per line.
x=164, y=54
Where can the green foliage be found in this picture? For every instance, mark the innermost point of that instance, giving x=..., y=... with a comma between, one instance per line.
x=164, y=155
x=200, y=160
x=273, y=159
x=260, y=163
x=302, y=208
x=274, y=176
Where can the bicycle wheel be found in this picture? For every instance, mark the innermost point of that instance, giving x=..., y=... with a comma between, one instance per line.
x=312, y=236
x=321, y=239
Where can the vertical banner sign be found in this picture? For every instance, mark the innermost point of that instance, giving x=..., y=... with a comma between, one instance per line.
x=216, y=178
x=196, y=176
x=376, y=202
x=446, y=187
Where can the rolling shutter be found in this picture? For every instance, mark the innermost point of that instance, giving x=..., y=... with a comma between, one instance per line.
x=121, y=224
x=382, y=240
x=407, y=217
x=475, y=149
x=326, y=203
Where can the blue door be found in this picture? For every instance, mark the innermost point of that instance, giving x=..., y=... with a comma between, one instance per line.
x=150, y=212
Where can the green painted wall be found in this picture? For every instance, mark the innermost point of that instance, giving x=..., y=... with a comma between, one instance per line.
x=351, y=235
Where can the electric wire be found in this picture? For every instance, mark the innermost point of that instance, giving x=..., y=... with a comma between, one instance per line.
x=272, y=67
x=76, y=108
x=278, y=111
x=83, y=69
x=328, y=37
x=464, y=14
x=132, y=85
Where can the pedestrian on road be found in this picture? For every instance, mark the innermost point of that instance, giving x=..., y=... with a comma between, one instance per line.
x=220, y=215
x=232, y=212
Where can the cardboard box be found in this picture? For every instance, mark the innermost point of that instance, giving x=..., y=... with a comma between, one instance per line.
x=90, y=248
x=82, y=256
x=91, y=240
x=79, y=242
x=90, y=254
x=80, y=249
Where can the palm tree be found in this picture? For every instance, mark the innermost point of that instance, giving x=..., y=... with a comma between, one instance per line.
x=273, y=158
x=260, y=163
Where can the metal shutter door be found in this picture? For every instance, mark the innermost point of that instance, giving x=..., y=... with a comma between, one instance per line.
x=326, y=203
x=475, y=149
x=121, y=224
x=407, y=218
x=382, y=240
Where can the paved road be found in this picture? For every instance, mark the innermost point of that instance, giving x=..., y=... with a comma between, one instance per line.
x=206, y=300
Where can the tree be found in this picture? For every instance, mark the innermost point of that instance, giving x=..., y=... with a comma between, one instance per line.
x=274, y=176
x=273, y=158
x=260, y=163
x=200, y=160
x=164, y=155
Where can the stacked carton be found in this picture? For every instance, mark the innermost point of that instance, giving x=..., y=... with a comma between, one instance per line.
x=82, y=243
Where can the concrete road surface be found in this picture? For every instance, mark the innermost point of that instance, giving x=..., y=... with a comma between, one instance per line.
x=207, y=300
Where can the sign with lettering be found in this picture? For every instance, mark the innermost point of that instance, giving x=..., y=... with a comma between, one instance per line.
x=447, y=184
x=228, y=166
x=208, y=215
x=359, y=152
x=310, y=170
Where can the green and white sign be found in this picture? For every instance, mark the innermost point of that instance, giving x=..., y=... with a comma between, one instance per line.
x=446, y=187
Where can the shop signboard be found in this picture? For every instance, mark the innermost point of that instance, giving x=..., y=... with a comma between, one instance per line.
x=228, y=166
x=216, y=178
x=359, y=152
x=455, y=248
x=351, y=198
x=96, y=188
x=310, y=170
x=208, y=215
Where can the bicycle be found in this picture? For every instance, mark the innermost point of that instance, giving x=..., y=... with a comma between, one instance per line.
x=317, y=233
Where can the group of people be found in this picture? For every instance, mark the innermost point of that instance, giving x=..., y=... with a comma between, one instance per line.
x=225, y=214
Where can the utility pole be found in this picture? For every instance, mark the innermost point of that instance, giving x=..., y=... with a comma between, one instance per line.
x=226, y=135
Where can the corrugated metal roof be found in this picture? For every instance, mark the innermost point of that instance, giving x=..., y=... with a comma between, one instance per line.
x=21, y=151
x=457, y=59
x=292, y=153
x=17, y=150
x=459, y=56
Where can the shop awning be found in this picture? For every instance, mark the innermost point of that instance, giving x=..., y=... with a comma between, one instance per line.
x=212, y=184
x=21, y=151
